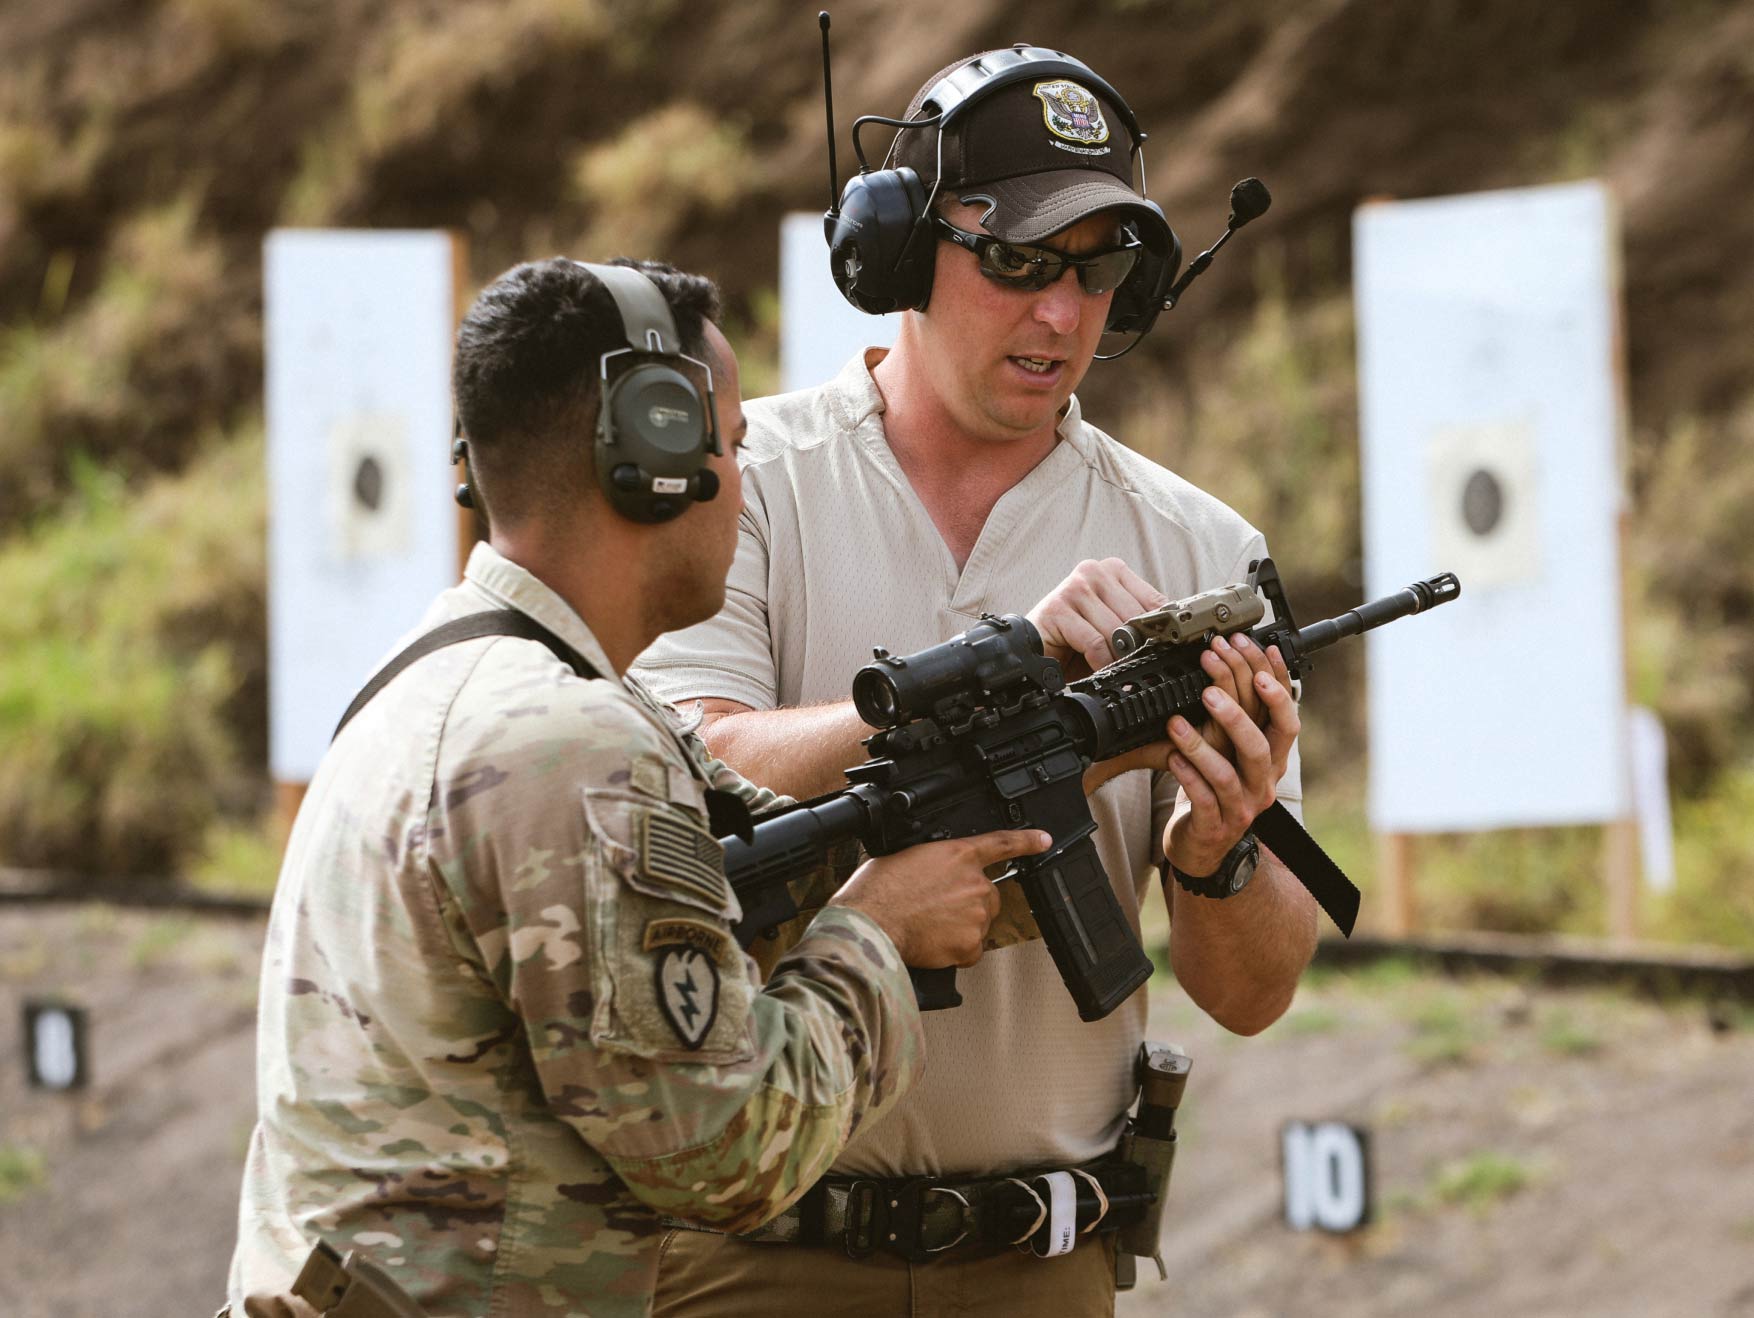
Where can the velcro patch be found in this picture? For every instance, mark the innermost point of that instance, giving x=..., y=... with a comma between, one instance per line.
x=698, y=934
x=648, y=774
x=683, y=855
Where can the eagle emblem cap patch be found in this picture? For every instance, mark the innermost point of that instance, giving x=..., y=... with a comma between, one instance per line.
x=688, y=992
x=1071, y=112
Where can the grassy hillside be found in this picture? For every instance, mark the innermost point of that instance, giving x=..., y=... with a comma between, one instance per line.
x=146, y=146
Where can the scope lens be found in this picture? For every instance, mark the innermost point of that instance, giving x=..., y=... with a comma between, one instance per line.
x=875, y=698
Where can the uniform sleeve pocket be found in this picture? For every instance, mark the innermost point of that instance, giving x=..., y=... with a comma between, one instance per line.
x=669, y=981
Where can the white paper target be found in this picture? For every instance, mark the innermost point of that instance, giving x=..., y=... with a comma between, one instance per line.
x=363, y=529
x=1485, y=525
x=1491, y=421
x=819, y=329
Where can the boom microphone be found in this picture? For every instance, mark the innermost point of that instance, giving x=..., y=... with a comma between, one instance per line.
x=1249, y=200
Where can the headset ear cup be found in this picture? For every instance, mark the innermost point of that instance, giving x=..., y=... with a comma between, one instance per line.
x=877, y=261
x=917, y=257
x=653, y=436
x=1139, y=300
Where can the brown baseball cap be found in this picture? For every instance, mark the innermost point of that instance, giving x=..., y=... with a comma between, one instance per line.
x=1045, y=151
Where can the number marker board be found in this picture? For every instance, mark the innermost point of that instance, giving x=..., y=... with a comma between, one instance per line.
x=55, y=1045
x=1327, y=1176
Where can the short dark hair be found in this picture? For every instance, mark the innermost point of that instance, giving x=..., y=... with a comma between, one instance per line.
x=526, y=374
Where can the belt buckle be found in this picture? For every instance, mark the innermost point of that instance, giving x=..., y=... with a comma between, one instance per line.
x=967, y=1209
x=906, y=1212
x=867, y=1218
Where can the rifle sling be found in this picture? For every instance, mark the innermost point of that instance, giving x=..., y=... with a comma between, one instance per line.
x=494, y=622
x=1287, y=839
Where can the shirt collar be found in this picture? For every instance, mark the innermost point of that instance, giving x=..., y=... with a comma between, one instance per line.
x=514, y=587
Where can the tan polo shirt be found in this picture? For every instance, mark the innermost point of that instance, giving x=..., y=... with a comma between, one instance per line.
x=838, y=555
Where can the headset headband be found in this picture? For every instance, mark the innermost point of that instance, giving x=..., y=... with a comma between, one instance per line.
x=1000, y=68
x=645, y=316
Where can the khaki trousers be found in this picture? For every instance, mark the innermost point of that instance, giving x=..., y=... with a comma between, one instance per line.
x=707, y=1276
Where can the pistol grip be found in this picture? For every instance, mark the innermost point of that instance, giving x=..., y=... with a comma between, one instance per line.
x=935, y=990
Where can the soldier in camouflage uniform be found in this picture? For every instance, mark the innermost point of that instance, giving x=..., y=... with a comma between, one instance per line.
x=504, y=1024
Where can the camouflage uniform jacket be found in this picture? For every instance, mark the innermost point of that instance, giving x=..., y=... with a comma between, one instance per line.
x=503, y=1023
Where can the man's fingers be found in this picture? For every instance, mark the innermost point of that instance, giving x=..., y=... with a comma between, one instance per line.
x=1084, y=609
x=1201, y=798
x=990, y=848
x=1212, y=766
x=1119, y=600
x=1237, y=662
x=1137, y=586
x=1223, y=677
x=1276, y=664
x=1253, y=759
x=1283, y=722
x=1085, y=628
x=1217, y=667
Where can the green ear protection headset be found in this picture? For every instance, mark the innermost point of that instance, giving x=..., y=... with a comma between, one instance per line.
x=656, y=428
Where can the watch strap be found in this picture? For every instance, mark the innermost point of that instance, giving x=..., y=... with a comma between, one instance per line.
x=1222, y=882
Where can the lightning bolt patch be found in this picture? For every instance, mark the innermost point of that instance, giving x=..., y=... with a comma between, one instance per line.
x=687, y=985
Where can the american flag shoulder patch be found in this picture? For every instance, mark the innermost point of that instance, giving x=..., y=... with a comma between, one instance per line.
x=683, y=856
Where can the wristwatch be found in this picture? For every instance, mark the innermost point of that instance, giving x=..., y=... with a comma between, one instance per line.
x=1232, y=874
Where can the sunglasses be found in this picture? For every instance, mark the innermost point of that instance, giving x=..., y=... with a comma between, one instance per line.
x=1027, y=267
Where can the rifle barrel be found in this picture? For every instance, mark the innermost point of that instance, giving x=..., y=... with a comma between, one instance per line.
x=1417, y=598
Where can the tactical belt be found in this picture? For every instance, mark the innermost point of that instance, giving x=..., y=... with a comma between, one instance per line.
x=920, y=1217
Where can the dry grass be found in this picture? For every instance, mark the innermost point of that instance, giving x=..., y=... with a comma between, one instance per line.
x=77, y=385
x=420, y=74
x=682, y=163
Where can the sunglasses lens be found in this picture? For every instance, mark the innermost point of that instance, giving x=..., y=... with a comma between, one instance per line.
x=1028, y=268
x=1108, y=271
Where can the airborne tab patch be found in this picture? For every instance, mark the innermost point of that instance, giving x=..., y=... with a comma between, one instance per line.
x=698, y=934
x=684, y=856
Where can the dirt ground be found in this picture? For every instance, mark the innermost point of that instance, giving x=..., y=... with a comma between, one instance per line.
x=1536, y=1152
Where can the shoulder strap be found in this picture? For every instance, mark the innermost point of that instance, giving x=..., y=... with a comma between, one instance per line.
x=495, y=622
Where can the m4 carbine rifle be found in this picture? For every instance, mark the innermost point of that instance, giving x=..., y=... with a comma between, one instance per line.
x=982, y=732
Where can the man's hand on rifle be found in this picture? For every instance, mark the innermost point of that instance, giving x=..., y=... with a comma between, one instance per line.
x=1226, y=788
x=935, y=901
x=1076, y=620
x=1081, y=613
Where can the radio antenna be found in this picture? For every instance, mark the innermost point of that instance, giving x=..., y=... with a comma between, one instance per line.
x=828, y=101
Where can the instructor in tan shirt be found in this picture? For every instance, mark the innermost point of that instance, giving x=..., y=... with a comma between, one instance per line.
x=951, y=476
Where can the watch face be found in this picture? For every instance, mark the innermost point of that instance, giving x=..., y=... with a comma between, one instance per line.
x=1245, y=870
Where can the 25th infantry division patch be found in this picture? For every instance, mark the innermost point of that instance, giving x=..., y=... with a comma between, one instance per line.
x=687, y=991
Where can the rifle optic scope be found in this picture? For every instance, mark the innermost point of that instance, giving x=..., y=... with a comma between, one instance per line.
x=979, y=667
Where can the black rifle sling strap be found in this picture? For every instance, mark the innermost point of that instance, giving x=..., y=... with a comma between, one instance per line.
x=495, y=622
x=727, y=812
x=1303, y=856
